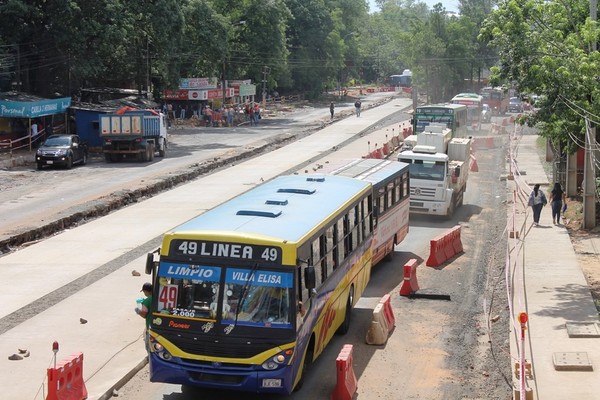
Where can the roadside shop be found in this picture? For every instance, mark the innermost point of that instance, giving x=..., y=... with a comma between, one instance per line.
x=25, y=120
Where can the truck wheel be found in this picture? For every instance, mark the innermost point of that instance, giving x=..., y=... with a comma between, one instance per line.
x=152, y=150
x=145, y=154
x=162, y=149
x=451, y=207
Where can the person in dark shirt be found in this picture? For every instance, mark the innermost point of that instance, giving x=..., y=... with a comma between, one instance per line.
x=558, y=196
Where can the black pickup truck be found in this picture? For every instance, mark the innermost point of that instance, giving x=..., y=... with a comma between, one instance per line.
x=62, y=150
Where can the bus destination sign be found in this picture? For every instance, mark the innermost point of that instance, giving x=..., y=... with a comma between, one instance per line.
x=432, y=110
x=194, y=249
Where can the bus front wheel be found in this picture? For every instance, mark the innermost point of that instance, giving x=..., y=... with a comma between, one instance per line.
x=308, y=359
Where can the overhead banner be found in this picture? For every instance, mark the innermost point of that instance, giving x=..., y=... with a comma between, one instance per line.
x=33, y=109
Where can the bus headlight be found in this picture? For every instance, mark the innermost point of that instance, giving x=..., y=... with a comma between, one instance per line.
x=276, y=361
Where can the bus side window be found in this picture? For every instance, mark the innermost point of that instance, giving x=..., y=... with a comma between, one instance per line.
x=330, y=251
x=339, y=242
x=315, y=262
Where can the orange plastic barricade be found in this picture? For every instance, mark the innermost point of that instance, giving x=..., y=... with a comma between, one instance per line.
x=346, y=379
x=473, y=165
x=65, y=381
x=386, y=149
x=410, y=284
x=388, y=312
x=444, y=247
x=378, y=154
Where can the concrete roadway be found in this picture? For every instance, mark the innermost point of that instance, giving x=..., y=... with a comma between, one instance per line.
x=43, y=273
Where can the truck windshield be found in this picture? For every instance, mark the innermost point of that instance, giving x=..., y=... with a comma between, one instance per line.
x=427, y=170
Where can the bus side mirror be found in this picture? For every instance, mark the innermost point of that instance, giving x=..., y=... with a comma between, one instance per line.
x=150, y=263
x=310, y=279
x=457, y=171
x=411, y=121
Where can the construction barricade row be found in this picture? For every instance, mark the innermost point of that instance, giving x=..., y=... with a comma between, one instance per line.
x=346, y=384
x=444, y=247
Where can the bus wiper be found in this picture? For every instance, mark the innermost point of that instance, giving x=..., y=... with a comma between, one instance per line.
x=244, y=293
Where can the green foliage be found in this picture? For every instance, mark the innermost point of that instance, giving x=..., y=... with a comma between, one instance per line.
x=544, y=48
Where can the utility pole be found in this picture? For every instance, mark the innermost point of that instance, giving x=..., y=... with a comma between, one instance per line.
x=266, y=71
x=589, y=169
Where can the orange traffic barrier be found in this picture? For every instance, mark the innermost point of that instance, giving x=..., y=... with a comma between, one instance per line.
x=65, y=381
x=511, y=119
x=473, y=164
x=444, y=247
x=346, y=385
x=395, y=142
x=410, y=284
x=386, y=149
x=504, y=122
x=378, y=154
x=388, y=312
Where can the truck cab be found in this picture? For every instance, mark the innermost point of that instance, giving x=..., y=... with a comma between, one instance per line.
x=438, y=175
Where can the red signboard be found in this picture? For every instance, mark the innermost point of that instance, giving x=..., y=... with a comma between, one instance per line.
x=175, y=94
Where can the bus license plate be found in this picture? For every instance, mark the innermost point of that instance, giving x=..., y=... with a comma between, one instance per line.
x=272, y=383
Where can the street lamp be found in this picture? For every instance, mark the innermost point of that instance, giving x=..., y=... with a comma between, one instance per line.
x=225, y=56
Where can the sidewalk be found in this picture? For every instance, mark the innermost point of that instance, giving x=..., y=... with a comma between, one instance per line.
x=562, y=341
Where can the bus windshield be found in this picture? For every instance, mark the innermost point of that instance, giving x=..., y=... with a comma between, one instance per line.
x=259, y=298
x=249, y=297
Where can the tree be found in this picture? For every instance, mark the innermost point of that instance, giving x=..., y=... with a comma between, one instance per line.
x=545, y=48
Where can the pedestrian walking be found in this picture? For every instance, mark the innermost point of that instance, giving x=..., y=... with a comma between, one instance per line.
x=331, y=109
x=144, y=307
x=357, y=106
x=537, y=200
x=557, y=198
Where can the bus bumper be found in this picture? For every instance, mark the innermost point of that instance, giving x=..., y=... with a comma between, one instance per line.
x=226, y=376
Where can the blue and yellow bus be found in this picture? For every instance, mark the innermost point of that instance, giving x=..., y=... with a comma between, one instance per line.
x=248, y=294
x=452, y=116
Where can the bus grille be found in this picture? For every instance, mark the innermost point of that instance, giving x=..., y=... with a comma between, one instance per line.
x=217, y=378
x=231, y=349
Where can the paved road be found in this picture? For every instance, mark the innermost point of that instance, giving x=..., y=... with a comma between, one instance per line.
x=35, y=204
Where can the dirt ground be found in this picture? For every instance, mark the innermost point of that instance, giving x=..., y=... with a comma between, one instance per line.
x=590, y=263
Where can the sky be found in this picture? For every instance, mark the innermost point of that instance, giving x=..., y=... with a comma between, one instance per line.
x=451, y=5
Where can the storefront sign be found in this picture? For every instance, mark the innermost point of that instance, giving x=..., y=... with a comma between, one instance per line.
x=198, y=95
x=247, y=90
x=175, y=94
x=198, y=83
x=32, y=109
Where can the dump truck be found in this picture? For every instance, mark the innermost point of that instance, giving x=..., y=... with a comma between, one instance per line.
x=439, y=170
x=133, y=132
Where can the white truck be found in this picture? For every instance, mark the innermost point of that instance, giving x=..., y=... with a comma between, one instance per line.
x=127, y=132
x=439, y=169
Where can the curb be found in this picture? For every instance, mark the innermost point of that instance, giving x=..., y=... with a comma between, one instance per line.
x=121, y=382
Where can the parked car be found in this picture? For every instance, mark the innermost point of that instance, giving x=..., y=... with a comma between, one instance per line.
x=486, y=113
x=515, y=105
x=62, y=150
